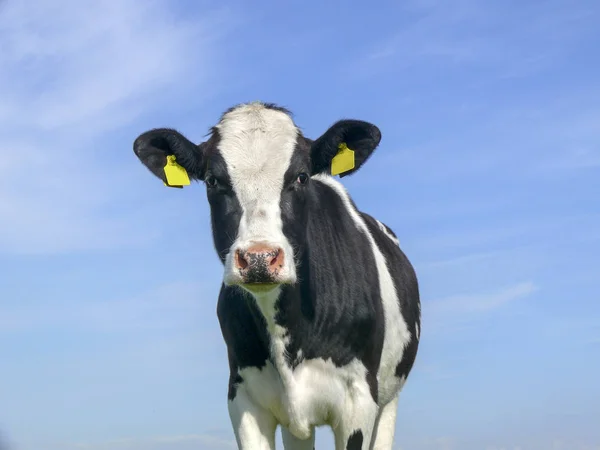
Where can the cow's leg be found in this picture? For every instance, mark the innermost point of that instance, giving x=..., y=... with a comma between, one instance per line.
x=385, y=426
x=254, y=427
x=291, y=442
x=356, y=423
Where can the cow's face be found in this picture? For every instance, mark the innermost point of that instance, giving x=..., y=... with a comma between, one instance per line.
x=257, y=168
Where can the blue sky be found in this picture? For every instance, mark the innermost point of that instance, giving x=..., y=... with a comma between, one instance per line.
x=488, y=171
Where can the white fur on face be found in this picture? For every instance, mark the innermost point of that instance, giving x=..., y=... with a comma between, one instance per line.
x=257, y=144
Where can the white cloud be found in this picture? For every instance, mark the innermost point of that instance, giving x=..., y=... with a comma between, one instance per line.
x=571, y=159
x=457, y=314
x=493, y=36
x=508, y=234
x=185, y=442
x=468, y=259
x=481, y=302
x=500, y=443
x=582, y=329
x=541, y=137
x=165, y=307
x=182, y=442
x=72, y=63
x=71, y=72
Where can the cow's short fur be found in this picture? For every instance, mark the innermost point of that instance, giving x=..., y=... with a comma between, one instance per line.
x=331, y=339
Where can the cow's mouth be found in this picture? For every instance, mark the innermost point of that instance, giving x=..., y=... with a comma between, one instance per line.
x=260, y=287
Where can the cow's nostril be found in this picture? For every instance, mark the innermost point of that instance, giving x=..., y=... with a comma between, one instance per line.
x=277, y=259
x=274, y=257
x=240, y=261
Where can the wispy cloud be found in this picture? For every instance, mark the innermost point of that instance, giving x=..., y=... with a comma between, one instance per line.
x=461, y=59
x=500, y=443
x=184, y=442
x=179, y=442
x=580, y=329
x=72, y=64
x=464, y=313
x=511, y=234
x=71, y=72
x=572, y=160
x=481, y=302
x=491, y=36
x=468, y=260
x=542, y=138
x=161, y=308
x=489, y=115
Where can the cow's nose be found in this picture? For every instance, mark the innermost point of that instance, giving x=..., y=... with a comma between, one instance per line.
x=259, y=263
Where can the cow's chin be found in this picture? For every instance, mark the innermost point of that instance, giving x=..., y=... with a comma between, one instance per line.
x=260, y=288
x=256, y=287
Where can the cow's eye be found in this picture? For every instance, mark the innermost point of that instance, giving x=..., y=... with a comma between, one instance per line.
x=302, y=178
x=211, y=181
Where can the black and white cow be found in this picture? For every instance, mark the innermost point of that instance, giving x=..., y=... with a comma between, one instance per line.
x=319, y=307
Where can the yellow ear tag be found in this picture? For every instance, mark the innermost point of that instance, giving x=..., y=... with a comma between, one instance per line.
x=343, y=161
x=176, y=175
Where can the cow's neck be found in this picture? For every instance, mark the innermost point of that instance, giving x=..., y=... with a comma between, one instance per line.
x=280, y=308
x=270, y=305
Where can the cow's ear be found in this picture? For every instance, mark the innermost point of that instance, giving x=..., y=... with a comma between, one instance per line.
x=344, y=147
x=157, y=147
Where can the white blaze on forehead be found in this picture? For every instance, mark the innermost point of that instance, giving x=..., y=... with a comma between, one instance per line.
x=257, y=144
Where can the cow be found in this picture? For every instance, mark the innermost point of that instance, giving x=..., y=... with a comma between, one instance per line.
x=319, y=307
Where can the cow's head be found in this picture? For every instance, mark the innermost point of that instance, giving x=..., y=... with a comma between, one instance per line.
x=257, y=167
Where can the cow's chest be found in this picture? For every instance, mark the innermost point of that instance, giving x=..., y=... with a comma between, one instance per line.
x=314, y=393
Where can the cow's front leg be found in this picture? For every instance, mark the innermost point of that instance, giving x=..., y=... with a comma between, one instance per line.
x=354, y=429
x=254, y=427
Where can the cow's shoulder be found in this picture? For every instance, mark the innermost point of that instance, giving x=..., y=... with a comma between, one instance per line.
x=378, y=229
